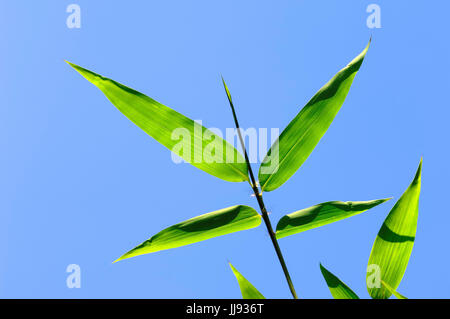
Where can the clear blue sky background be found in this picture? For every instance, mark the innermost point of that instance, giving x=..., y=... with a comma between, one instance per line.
x=81, y=184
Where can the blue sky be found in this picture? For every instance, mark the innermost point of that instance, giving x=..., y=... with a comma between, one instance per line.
x=80, y=184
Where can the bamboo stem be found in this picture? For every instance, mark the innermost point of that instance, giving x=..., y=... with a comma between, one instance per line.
x=260, y=200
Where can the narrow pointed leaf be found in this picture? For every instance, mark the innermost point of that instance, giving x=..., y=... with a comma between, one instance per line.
x=304, y=132
x=338, y=289
x=186, y=138
x=393, y=291
x=395, y=240
x=203, y=227
x=247, y=289
x=320, y=215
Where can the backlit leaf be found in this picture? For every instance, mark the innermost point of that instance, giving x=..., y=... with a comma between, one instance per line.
x=186, y=138
x=338, y=289
x=210, y=225
x=247, y=289
x=304, y=132
x=321, y=214
x=395, y=240
x=393, y=291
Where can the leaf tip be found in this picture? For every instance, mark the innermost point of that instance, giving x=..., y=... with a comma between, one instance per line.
x=357, y=62
x=323, y=270
x=418, y=176
x=125, y=256
x=364, y=52
x=226, y=89
x=73, y=65
x=85, y=73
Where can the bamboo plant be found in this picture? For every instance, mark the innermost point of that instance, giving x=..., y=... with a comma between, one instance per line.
x=393, y=245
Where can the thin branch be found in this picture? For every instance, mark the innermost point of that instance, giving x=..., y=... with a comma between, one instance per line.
x=260, y=200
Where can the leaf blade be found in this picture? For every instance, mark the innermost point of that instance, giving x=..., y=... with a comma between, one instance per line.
x=338, y=289
x=321, y=214
x=248, y=291
x=395, y=240
x=203, y=149
x=304, y=132
x=203, y=227
x=393, y=291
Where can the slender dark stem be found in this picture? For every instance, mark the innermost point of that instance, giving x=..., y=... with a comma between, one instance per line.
x=260, y=200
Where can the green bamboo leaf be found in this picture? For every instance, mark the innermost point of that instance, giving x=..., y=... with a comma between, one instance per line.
x=338, y=289
x=395, y=240
x=186, y=138
x=320, y=215
x=247, y=289
x=203, y=227
x=393, y=291
x=304, y=132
